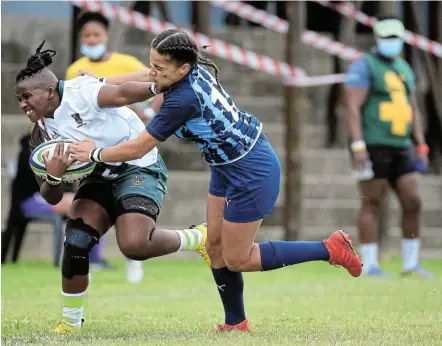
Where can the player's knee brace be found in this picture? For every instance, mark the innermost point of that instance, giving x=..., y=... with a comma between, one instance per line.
x=80, y=239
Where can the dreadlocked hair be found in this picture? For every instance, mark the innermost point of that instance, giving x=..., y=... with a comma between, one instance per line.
x=36, y=63
x=182, y=49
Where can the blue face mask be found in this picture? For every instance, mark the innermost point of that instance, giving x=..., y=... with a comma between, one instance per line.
x=93, y=52
x=390, y=47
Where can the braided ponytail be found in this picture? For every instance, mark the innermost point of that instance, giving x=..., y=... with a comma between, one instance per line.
x=208, y=62
x=182, y=49
x=36, y=63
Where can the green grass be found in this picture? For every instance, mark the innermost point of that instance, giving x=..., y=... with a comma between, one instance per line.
x=177, y=304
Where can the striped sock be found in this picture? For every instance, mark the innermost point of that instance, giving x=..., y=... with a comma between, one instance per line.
x=73, y=308
x=190, y=239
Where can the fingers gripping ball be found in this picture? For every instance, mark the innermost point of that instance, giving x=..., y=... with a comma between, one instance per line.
x=75, y=171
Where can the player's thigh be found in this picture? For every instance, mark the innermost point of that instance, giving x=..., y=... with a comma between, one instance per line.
x=215, y=220
x=373, y=191
x=93, y=204
x=407, y=191
x=238, y=240
x=215, y=208
x=138, y=197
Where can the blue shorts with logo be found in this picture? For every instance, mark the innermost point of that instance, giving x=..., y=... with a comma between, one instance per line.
x=250, y=185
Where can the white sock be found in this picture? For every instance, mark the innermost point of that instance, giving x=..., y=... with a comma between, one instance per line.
x=73, y=308
x=134, y=271
x=410, y=253
x=369, y=253
x=190, y=239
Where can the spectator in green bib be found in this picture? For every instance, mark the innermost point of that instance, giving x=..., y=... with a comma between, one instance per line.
x=383, y=123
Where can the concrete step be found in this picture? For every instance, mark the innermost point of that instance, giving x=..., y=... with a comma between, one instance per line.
x=341, y=212
x=13, y=127
x=270, y=109
x=181, y=184
x=317, y=213
x=327, y=200
x=324, y=202
x=180, y=155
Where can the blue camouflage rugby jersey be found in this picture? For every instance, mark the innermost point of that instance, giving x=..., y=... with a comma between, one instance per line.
x=199, y=109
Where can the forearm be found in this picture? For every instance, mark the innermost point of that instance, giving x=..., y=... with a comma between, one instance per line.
x=418, y=135
x=136, y=76
x=126, y=151
x=354, y=125
x=134, y=92
x=52, y=194
x=123, y=152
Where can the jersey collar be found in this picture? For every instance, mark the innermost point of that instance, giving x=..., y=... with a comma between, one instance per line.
x=60, y=88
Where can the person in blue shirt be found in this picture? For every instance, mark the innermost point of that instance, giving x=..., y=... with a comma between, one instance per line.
x=383, y=122
x=245, y=170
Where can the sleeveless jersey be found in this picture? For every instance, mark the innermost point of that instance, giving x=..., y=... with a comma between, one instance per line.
x=199, y=109
x=387, y=114
x=79, y=117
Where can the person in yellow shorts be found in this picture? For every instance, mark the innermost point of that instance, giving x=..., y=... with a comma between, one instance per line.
x=97, y=58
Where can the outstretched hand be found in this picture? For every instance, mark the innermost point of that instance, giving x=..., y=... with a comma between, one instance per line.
x=81, y=150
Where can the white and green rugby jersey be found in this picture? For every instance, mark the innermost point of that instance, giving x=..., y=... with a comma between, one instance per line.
x=79, y=117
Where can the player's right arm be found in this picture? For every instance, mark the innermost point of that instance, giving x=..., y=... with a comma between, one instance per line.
x=124, y=94
x=356, y=91
x=135, y=76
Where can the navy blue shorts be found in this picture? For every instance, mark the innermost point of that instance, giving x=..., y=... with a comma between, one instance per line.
x=249, y=185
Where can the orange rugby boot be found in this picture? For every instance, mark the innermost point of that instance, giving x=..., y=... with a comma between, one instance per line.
x=342, y=253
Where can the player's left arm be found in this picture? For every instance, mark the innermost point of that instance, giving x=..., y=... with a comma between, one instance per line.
x=128, y=151
x=173, y=114
x=418, y=134
x=175, y=111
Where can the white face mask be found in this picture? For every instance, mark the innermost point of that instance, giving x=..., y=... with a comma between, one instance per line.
x=93, y=52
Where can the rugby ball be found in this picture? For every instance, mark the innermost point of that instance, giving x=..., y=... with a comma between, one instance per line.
x=76, y=171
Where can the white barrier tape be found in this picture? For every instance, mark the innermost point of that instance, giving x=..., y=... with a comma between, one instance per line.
x=411, y=38
x=307, y=81
x=277, y=24
x=216, y=47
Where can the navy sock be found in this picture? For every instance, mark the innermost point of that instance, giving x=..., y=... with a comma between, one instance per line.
x=230, y=287
x=277, y=254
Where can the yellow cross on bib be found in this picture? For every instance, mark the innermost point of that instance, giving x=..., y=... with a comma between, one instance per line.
x=398, y=111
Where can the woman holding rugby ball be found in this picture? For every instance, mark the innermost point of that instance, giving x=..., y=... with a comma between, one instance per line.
x=127, y=194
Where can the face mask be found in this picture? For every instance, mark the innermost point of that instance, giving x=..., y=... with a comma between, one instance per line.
x=93, y=52
x=390, y=47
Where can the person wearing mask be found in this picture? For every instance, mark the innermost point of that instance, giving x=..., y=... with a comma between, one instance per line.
x=383, y=123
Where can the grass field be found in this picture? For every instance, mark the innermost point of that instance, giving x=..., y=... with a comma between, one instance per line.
x=177, y=304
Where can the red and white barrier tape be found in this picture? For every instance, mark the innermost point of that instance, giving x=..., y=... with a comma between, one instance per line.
x=307, y=81
x=216, y=47
x=277, y=24
x=411, y=38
